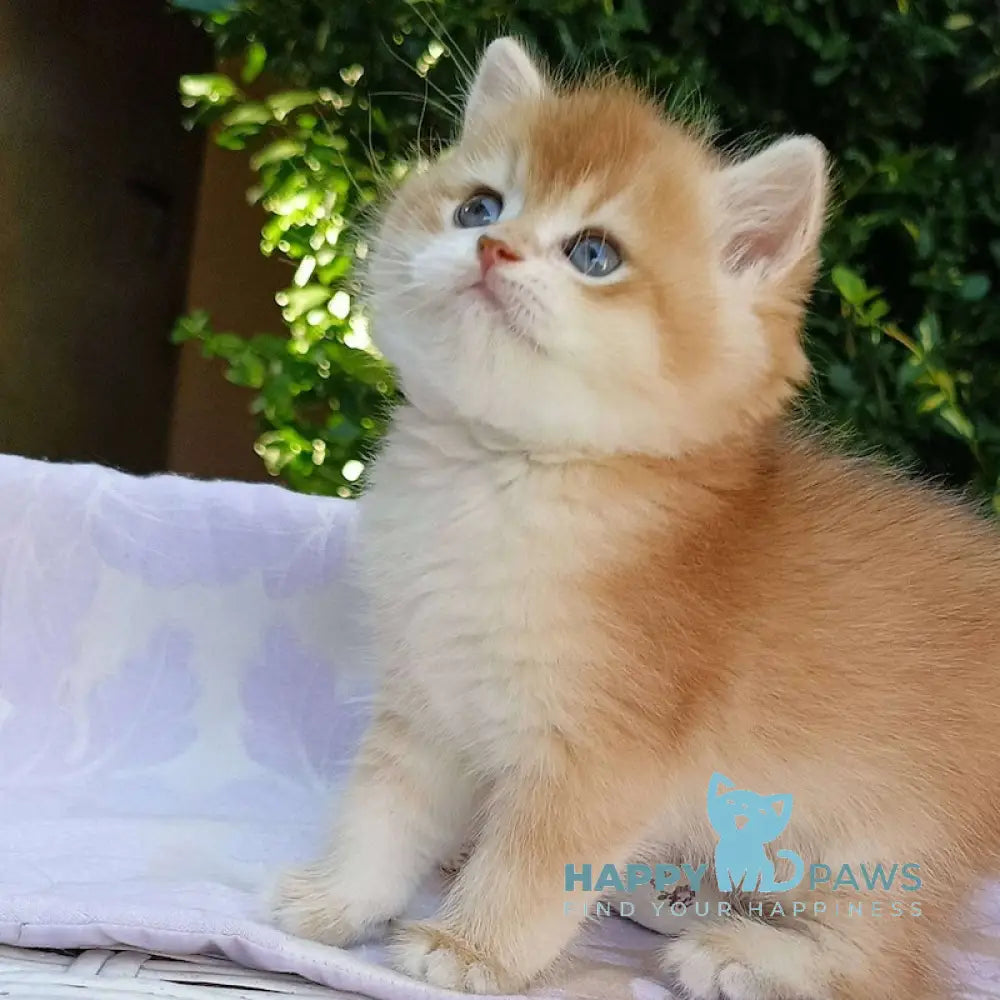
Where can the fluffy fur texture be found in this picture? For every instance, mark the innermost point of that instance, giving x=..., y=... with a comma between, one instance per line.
x=602, y=569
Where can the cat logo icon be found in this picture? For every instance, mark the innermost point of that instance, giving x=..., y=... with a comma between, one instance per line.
x=745, y=822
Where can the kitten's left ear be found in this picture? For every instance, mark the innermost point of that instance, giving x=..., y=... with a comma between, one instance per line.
x=771, y=209
x=506, y=74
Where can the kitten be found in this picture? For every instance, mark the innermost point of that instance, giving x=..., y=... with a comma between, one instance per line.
x=603, y=569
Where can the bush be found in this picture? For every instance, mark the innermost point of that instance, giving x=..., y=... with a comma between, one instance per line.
x=904, y=333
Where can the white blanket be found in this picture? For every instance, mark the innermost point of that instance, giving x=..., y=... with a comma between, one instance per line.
x=178, y=709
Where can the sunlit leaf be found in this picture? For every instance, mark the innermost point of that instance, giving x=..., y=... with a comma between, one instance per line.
x=957, y=22
x=931, y=403
x=216, y=87
x=957, y=420
x=254, y=62
x=282, y=149
x=251, y=112
x=288, y=100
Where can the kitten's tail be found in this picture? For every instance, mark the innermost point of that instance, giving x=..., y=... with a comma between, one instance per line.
x=800, y=869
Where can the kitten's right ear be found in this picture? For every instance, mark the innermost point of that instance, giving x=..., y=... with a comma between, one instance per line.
x=719, y=784
x=506, y=74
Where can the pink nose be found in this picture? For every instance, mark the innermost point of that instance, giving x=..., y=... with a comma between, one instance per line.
x=493, y=251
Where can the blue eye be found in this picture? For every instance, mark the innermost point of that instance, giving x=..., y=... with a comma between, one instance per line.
x=593, y=254
x=481, y=209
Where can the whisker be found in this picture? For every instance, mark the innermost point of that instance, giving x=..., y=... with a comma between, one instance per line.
x=463, y=64
x=444, y=95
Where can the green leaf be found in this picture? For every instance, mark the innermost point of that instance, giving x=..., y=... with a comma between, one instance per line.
x=299, y=301
x=228, y=138
x=929, y=332
x=957, y=22
x=879, y=309
x=931, y=403
x=981, y=80
x=191, y=327
x=288, y=100
x=823, y=76
x=850, y=284
x=842, y=380
x=253, y=62
x=247, y=370
x=974, y=287
x=958, y=421
x=632, y=16
x=213, y=87
x=223, y=345
x=283, y=149
x=251, y=112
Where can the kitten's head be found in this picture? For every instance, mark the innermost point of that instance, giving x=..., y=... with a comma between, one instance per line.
x=736, y=813
x=581, y=274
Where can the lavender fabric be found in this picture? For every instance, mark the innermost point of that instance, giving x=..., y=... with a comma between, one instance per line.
x=181, y=694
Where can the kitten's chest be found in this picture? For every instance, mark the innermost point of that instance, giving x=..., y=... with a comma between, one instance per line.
x=476, y=570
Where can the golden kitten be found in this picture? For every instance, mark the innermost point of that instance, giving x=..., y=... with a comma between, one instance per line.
x=603, y=570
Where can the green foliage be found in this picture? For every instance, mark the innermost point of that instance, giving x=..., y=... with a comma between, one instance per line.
x=322, y=403
x=905, y=329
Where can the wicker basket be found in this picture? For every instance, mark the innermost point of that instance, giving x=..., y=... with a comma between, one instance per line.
x=29, y=974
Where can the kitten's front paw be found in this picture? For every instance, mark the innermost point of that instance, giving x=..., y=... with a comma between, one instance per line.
x=705, y=969
x=307, y=903
x=428, y=952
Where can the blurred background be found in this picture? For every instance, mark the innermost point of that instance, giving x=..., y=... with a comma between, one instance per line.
x=183, y=189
